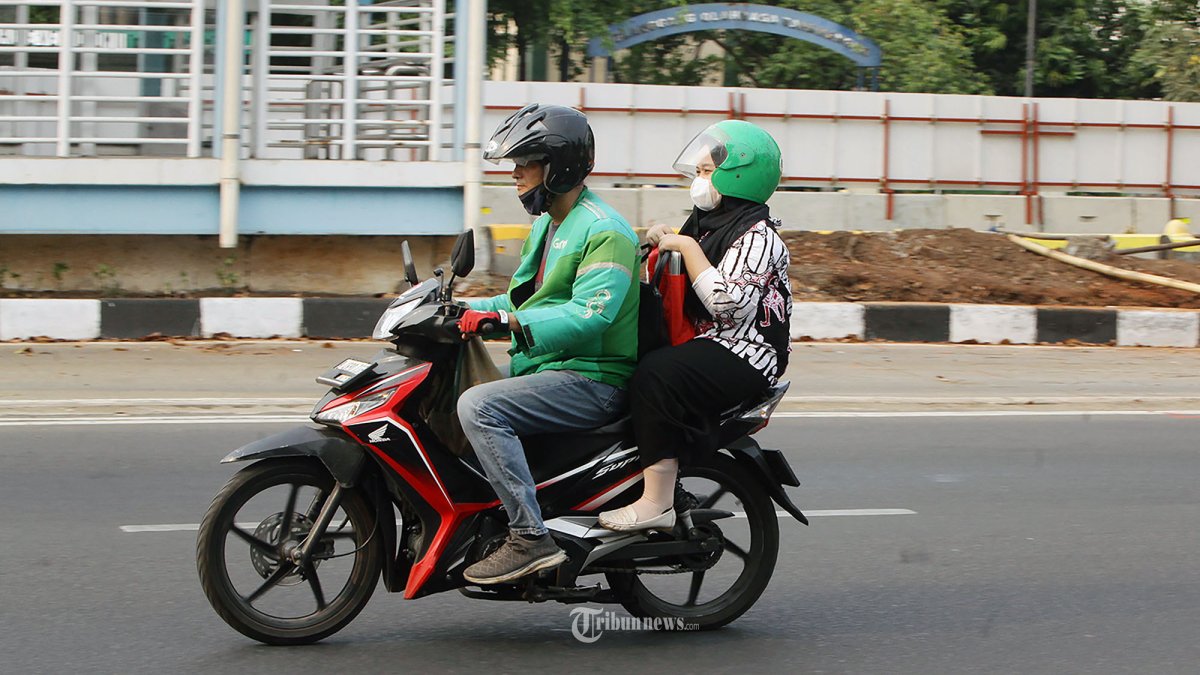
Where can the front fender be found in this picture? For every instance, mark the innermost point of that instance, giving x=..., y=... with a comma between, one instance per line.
x=342, y=455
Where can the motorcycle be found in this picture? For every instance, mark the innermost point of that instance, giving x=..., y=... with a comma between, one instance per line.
x=293, y=546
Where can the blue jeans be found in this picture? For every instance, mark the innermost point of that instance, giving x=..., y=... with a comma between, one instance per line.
x=495, y=414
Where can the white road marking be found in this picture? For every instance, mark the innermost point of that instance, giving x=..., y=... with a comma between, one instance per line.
x=855, y=512
x=192, y=527
x=841, y=512
x=52, y=402
x=184, y=527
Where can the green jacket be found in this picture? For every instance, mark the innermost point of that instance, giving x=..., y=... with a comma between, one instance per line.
x=585, y=316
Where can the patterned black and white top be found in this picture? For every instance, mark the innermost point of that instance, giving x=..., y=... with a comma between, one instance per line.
x=750, y=298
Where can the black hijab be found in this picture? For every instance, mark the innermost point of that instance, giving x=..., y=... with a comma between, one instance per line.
x=716, y=231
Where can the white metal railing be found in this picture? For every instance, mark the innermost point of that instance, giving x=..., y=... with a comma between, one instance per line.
x=136, y=77
x=366, y=85
x=82, y=102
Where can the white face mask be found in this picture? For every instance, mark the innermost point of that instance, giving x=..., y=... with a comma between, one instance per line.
x=704, y=195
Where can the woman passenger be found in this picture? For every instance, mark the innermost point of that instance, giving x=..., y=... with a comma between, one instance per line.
x=740, y=303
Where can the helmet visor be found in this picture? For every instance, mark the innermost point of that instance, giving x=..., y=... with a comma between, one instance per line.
x=522, y=160
x=704, y=153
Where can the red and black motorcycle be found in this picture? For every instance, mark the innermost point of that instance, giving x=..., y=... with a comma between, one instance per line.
x=293, y=546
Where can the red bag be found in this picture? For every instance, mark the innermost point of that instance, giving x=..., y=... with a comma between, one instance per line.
x=672, y=286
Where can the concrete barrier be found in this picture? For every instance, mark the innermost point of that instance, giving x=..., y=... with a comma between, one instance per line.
x=251, y=317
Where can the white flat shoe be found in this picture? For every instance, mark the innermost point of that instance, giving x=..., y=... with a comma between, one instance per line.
x=625, y=519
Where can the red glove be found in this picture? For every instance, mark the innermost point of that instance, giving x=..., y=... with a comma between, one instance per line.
x=474, y=322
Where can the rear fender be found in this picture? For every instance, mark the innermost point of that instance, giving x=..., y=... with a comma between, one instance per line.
x=770, y=466
x=342, y=455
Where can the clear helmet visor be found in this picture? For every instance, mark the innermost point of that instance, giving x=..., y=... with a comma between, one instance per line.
x=703, y=154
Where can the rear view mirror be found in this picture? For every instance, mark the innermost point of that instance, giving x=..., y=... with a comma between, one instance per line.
x=462, y=259
x=410, y=270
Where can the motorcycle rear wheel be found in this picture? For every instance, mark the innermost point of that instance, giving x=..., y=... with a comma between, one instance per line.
x=267, y=547
x=642, y=596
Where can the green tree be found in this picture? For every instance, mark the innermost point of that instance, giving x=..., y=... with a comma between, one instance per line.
x=923, y=51
x=1084, y=48
x=535, y=27
x=1171, y=52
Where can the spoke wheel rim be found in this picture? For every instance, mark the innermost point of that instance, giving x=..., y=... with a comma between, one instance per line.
x=283, y=572
x=750, y=556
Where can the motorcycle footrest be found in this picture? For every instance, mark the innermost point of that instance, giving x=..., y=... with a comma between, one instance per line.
x=660, y=549
x=536, y=593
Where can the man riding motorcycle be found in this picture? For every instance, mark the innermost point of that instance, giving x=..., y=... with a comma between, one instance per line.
x=572, y=310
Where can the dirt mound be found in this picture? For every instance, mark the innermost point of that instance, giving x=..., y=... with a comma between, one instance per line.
x=963, y=265
x=958, y=265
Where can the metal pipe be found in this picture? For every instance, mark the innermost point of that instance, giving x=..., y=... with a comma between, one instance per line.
x=1039, y=235
x=1167, y=187
x=1159, y=247
x=1041, y=215
x=196, y=84
x=1025, y=165
x=476, y=19
x=887, y=139
x=231, y=123
x=259, y=73
x=1105, y=269
x=460, y=76
x=350, y=64
x=435, y=85
x=66, y=65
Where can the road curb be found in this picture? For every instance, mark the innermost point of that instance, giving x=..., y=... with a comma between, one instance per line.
x=131, y=318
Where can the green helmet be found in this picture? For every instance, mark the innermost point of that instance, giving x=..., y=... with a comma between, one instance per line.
x=747, y=159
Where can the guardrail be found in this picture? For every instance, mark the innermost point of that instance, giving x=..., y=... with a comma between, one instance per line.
x=89, y=77
x=137, y=77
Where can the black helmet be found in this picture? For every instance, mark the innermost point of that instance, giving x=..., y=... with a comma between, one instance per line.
x=554, y=134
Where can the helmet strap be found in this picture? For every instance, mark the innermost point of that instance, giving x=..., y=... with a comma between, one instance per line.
x=537, y=200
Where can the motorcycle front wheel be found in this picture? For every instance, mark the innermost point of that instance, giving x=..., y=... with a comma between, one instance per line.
x=261, y=515
x=707, y=591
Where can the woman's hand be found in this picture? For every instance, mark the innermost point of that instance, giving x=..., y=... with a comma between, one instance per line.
x=677, y=242
x=694, y=260
x=656, y=233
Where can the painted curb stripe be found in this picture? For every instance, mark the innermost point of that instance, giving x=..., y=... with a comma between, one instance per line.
x=334, y=318
x=138, y=317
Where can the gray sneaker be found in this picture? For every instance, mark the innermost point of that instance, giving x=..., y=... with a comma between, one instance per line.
x=516, y=558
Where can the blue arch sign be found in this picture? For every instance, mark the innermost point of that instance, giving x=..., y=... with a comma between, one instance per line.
x=722, y=16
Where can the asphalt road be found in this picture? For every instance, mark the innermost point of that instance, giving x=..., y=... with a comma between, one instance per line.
x=1053, y=544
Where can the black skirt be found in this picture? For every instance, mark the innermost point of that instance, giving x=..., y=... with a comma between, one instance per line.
x=678, y=393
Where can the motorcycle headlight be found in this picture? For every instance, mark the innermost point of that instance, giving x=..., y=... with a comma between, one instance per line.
x=392, y=317
x=341, y=413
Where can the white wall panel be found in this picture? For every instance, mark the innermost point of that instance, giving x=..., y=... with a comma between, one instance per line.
x=836, y=138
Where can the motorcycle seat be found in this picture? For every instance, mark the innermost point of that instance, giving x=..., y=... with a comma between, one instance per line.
x=550, y=455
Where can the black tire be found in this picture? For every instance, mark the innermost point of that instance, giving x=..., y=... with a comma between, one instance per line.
x=236, y=609
x=758, y=563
